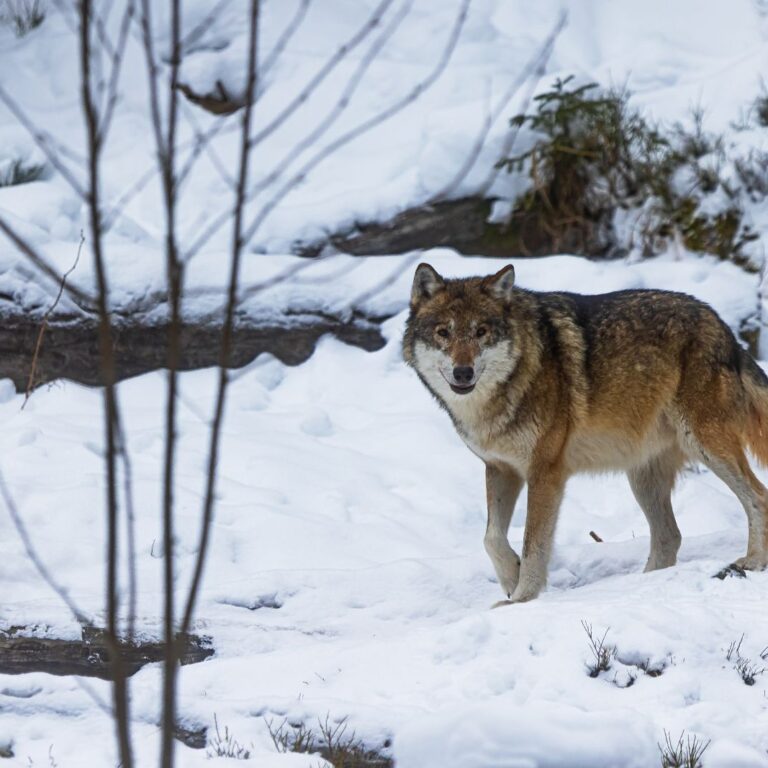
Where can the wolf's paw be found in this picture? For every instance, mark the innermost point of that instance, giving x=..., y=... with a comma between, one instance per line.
x=518, y=596
x=753, y=562
x=658, y=561
x=508, y=585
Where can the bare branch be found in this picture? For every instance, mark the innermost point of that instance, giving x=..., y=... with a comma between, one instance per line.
x=166, y=157
x=205, y=144
x=341, y=53
x=345, y=138
x=338, y=108
x=43, y=142
x=130, y=520
x=154, y=97
x=37, y=561
x=198, y=144
x=227, y=335
x=356, y=132
x=535, y=66
x=290, y=30
x=117, y=56
x=221, y=126
x=194, y=34
x=538, y=70
x=107, y=364
x=299, y=100
x=403, y=267
x=85, y=301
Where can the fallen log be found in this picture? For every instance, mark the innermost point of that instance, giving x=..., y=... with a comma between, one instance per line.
x=70, y=348
x=89, y=656
x=463, y=225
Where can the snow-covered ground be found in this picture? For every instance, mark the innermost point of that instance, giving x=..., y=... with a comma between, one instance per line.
x=346, y=498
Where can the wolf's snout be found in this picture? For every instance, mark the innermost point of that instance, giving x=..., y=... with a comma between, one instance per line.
x=463, y=374
x=463, y=379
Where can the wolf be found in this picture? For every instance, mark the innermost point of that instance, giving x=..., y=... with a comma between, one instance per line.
x=542, y=386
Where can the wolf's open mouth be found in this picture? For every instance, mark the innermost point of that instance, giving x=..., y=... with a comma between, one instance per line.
x=461, y=390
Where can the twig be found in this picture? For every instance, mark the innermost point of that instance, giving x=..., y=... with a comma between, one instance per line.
x=290, y=30
x=37, y=561
x=43, y=142
x=404, y=266
x=165, y=145
x=344, y=100
x=535, y=66
x=130, y=517
x=44, y=324
x=238, y=242
x=206, y=146
x=94, y=138
x=117, y=55
x=194, y=34
x=296, y=103
x=354, y=133
x=341, y=53
x=84, y=301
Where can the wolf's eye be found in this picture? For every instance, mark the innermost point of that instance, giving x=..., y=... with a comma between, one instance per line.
x=442, y=332
x=481, y=331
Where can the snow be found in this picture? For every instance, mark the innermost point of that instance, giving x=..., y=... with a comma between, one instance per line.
x=346, y=499
x=347, y=575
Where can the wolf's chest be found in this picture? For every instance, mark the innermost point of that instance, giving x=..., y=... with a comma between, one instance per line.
x=511, y=446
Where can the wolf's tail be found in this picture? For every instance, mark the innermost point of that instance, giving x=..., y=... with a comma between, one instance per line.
x=756, y=384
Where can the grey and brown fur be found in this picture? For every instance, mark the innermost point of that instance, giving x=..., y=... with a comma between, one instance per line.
x=542, y=386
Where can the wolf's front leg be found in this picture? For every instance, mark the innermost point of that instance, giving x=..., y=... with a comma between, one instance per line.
x=502, y=486
x=545, y=492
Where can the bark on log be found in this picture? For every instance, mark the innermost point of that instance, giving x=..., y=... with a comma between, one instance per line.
x=454, y=224
x=70, y=349
x=89, y=656
x=462, y=225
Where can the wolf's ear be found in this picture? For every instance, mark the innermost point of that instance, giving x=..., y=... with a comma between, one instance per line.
x=426, y=283
x=503, y=282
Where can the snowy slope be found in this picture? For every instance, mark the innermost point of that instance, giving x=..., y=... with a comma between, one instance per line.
x=345, y=496
x=347, y=499
x=668, y=62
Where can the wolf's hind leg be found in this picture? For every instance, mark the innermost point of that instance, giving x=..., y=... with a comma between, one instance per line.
x=502, y=486
x=652, y=485
x=723, y=454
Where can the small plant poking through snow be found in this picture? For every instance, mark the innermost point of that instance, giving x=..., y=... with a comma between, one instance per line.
x=602, y=653
x=22, y=15
x=332, y=741
x=290, y=737
x=226, y=745
x=604, y=181
x=758, y=110
x=684, y=753
x=19, y=172
x=747, y=669
x=627, y=667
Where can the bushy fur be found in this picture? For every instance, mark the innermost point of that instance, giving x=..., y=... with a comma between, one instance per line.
x=636, y=381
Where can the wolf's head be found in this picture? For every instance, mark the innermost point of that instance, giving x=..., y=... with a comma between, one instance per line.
x=457, y=336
